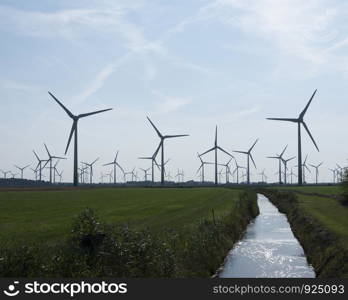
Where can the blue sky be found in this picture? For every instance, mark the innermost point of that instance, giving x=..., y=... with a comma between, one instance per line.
x=188, y=65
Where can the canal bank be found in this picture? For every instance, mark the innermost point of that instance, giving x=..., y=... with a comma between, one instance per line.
x=325, y=250
x=268, y=249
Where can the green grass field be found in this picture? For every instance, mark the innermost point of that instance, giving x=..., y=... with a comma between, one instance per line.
x=47, y=215
x=324, y=190
x=328, y=212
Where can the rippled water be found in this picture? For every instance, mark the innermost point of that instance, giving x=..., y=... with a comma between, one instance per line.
x=269, y=249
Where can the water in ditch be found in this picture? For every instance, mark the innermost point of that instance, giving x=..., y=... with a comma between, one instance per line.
x=269, y=249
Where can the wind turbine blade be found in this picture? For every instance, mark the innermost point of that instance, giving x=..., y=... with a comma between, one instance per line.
x=36, y=156
x=16, y=167
x=253, y=160
x=224, y=151
x=26, y=167
x=253, y=145
x=307, y=168
x=199, y=168
x=283, y=119
x=117, y=164
x=283, y=151
x=116, y=156
x=274, y=157
x=309, y=103
x=158, y=166
x=320, y=164
x=207, y=151
x=95, y=161
x=47, y=161
x=243, y=152
x=216, y=135
x=153, y=125
x=140, y=158
x=108, y=164
x=175, y=136
x=62, y=106
x=93, y=113
x=158, y=148
x=48, y=152
x=58, y=157
x=200, y=158
x=73, y=128
x=310, y=135
x=291, y=158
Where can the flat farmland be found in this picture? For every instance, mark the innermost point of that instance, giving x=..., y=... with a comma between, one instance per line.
x=46, y=215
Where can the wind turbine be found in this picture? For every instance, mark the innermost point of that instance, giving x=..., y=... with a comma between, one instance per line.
x=300, y=121
x=304, y=167
x=285, y=162
x=236, y=170
x=248, y=153
x=215, y=149
x=220, y=176
x=316, y=171
x=178, y=175
x=145, y=172
x=13, y=175
x=292, y=174
x=91, y=169
x=102, y=176
x=35, y=172
x=5, y=173
x=263, y=175
x=227, y=171
x=83, y=172
x=60, y=175
x=115, y=164
x=164, y=165
x=110, y=175
x=55, y=171
x=153, y=162
x=182, y=175
x=201, y=167
x=50, y=159
x=334, y=174
x=169, y=177
x=74, y=131
x=163, y=137
x=279, y=157
x=22, y=169
x=39, y=165
x=339, y=173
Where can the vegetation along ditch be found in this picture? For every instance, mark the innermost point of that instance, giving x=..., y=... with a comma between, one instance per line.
x=320, y=226
x=98, y=249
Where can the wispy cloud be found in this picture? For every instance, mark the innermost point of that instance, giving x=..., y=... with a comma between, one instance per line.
x=19, y=86
x=167, y=104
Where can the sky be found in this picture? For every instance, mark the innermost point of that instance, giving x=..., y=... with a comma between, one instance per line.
x=188, y=65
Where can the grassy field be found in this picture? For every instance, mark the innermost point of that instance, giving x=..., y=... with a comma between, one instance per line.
x=47, y=215
x=328, y=212
x=324, y=190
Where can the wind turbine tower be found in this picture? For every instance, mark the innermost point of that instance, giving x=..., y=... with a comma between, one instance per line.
x=249, y=156
x=73, y=131
x=300, y=121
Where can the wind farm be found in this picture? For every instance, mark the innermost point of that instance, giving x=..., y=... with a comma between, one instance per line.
x=152, y=141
